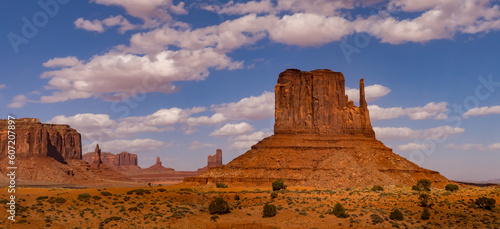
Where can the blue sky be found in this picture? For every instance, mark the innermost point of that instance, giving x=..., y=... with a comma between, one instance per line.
x=181, y=79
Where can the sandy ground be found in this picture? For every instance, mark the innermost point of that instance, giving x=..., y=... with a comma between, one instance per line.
x=186, y=206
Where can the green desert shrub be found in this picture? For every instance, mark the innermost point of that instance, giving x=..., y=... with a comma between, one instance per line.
x=426, y=214
x=221, y=185
x=279, y=184
x=396, y=214
x=485, y=203
x=139, y=192
x=58, y=200
x=106, y=193
x=451, y=187
x=218, y=206
x=236, y=197
x=269, y=210
x=42, y=198
x=424, y=200
x=377, y=188
x=339, y=211
x=274, y=195
x=424, y=184
x=84, y=197
x=415, y=188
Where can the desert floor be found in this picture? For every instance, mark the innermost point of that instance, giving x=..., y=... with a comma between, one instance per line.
x=186, y=206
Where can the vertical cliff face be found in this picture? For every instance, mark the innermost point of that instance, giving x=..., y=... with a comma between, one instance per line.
x=215, y=160
x=125, y=158
x=315, y=103
x=35, y=139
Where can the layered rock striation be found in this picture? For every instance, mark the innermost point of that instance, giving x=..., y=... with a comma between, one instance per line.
x=49, y=154
x=315, y=103
x=321, y=139
x=36, y=139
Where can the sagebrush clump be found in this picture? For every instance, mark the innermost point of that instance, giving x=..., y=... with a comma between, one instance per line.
x=218, y=206
x=279, y=184
x=274, y=195
x=485, y=203
x=221, y=185
x=451, y=187
x=396, y=214
x=377, y=188
x=424, y=184
x=269, y=210
x=339, y=211
x=426, y=214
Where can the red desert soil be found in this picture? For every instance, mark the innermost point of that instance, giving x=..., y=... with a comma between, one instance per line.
x=186, y=206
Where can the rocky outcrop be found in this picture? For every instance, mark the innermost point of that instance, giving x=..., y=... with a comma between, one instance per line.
x=121, y=159
x=215, y=160
x=315, y=103
x=96, y=162
x=321, y=139
x=36, y=139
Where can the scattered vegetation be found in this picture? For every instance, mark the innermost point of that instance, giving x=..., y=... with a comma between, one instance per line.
x=424, y=200
x=426, y=214
x=139, y=192
x=236, y=197
x=218, y=206
x=339, y=211
x=377, y=188
x=415, y=188
x=274, y=195
x=269, y=210
x=106, y=193
x=424, y=184
x=221, y=185
x=279, y=184
x=84, y=197
x=485, y=203
x=451, y=187
x=396, y=214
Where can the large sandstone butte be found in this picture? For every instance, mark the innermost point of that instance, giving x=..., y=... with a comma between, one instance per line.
x=35, y=139
x=49, y=154
x=320, y=139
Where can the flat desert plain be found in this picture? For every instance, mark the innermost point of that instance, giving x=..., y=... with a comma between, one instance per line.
x=187, y=206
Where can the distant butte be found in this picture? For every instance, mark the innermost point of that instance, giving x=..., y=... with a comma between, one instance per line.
x=321, y=139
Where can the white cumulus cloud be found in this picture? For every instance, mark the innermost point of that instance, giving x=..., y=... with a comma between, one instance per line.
x=413, y=146
x=430, y=110
x=233, y=129
x=250, y=108
x=482, y=111
x=372, y=92
x=392, y=133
